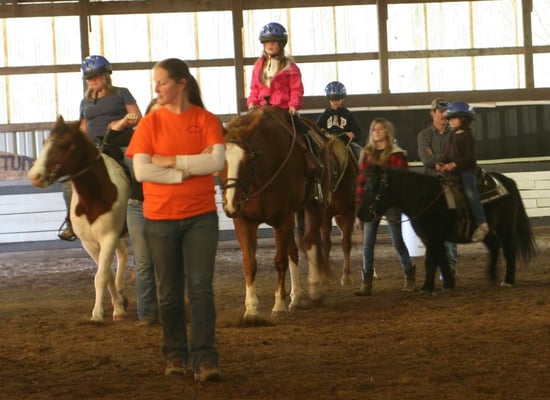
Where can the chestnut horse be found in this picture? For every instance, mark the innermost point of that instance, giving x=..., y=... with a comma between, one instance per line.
x=343, y=171
x=266, y=180
x=98, y=205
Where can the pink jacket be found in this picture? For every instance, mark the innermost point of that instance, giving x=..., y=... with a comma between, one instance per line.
x=286, y=88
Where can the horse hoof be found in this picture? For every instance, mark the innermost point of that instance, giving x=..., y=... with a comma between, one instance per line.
x=428, y=291
x=253, y=321
x=506, y=284
x=277, y=315
x=119, y=317
x=346, y=280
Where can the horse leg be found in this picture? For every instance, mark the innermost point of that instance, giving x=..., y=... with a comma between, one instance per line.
x=430, y=265
x=105, y=276
x=316, y=261
x=284, y=236
x=93, y=250
x=296, y=291
x=509, y=250
x=122, y=261
x=246, y=232
x=326, y=230
x=493, y=244
x=345, y=224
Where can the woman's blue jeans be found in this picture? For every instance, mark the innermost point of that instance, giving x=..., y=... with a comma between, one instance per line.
x=146, y=288
x=184, y=254
x=370, y=229
x=469, y=185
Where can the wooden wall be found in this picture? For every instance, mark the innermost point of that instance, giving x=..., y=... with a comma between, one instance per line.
x=30, y=217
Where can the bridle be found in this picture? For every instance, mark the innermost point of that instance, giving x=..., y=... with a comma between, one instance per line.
x=53, y=174
x=236, y=182
x=383, y=186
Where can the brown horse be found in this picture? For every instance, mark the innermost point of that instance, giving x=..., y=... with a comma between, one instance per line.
x=268, y=179
x=341, y=203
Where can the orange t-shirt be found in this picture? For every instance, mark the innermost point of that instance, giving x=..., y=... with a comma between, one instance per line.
x=165, y=133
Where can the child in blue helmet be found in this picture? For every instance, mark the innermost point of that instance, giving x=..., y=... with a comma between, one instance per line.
x=461, y=159
x=338, y=120
x=102, y=105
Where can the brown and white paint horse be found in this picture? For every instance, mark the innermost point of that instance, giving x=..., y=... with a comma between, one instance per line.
x=98, y=205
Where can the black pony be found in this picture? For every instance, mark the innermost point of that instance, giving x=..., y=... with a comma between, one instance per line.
x=422, y=199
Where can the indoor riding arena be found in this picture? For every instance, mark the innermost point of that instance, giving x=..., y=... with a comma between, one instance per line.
x=481, y=340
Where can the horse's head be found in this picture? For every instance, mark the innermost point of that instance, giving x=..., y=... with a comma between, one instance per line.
x=241, y=153
x=376, y=198
x=57, y=158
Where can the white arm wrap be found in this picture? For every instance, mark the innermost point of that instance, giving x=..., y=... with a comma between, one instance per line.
x=202, y=164
x=144, y=170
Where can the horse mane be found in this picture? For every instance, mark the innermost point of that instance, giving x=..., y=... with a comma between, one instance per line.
x=61, y=125
x=241, y=127
x=340, y=152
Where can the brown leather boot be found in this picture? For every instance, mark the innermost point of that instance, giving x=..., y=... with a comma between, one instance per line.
x=366, y=285
x=66, y=232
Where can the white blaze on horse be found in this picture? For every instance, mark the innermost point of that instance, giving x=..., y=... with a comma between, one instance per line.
x=98, y=205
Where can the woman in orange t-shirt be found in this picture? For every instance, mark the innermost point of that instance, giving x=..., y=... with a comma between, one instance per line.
x=175, y=151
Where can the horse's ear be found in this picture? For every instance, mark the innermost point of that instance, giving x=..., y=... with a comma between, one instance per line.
x=60, y=120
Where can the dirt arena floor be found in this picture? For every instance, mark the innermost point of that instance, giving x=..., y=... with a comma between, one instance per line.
x=478, y=341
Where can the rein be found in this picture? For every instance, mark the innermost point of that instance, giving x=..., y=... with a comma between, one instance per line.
x=293, y=135
x=237, y=182
x=384, y=184
x=343, y=171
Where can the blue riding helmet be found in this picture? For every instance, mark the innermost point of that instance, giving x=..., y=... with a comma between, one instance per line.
x=274, y=32
x=335, y=91
x=460, y=110
x=95, y=65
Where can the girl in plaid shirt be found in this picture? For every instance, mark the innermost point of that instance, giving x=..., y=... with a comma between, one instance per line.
x=381, y=150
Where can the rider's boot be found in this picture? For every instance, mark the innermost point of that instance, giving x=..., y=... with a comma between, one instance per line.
x=366, y=285
x=65, y=231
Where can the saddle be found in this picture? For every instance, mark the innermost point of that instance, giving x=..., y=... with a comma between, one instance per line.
x=489, y=188
x=115, y=152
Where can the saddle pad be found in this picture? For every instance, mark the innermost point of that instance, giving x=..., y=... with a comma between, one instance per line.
x=489, y=187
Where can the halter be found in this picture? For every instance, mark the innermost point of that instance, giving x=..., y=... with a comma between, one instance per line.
x=52, y=176
x=383, y=186
x=237, y=182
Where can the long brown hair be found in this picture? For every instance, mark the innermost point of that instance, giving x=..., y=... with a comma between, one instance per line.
x=377, y=157
x=177, y=70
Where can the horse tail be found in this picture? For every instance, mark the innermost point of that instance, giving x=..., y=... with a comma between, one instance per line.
x=525, y=239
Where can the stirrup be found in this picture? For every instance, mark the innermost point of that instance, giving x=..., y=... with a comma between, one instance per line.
x=65, y=231
x=318, y=193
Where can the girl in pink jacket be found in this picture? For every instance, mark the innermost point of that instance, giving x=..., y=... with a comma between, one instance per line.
x=276, y=79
